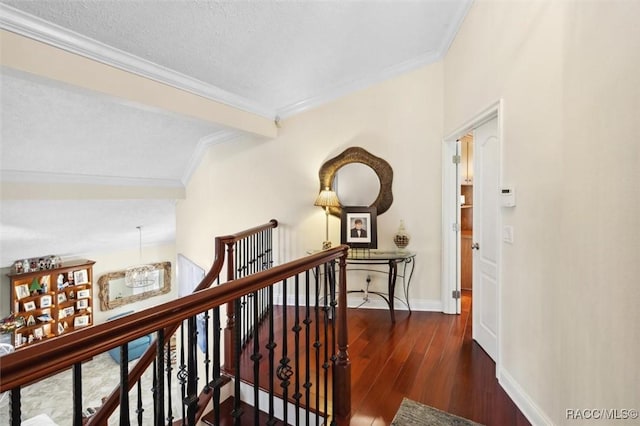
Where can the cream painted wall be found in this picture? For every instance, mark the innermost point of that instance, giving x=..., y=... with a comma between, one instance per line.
x=568, y=75
x=249, y=181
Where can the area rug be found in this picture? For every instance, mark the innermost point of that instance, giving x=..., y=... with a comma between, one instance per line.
x=414, y=413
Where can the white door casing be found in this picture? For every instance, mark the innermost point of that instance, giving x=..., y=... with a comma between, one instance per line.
x=486, y=225
x=450, y=227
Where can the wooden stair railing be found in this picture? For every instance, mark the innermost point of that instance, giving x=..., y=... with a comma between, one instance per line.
x=43, y=359
x=223, y=249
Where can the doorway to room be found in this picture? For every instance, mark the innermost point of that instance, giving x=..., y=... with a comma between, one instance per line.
x=471, y=224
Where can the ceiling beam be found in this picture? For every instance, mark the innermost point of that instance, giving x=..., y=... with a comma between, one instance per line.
x=28, y=55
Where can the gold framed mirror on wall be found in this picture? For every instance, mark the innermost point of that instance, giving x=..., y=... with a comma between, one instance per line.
x=339, y=174
x=114, y=292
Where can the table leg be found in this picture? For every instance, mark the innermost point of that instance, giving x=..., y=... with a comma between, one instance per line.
x=393, y=273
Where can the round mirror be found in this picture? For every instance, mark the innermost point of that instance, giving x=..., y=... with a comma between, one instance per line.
x=358, y=185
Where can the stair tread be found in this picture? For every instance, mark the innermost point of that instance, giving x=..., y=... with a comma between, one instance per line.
x=245, y=420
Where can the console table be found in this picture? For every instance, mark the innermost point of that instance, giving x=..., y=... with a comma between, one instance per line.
x=365, y=259
x=360, y=259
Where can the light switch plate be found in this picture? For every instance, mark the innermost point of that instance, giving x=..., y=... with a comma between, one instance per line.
x=507, y=234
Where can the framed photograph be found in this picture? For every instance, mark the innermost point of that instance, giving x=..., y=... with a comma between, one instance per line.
x=45, y=301
x=60, y=328
x=359, y=228
x=69, y=311
x=81, y=321
x=38, y=333
x=82, y=304
x=62, y=297
x=22, y=291
x=80, y=277
x=83, y=294
x=29, y=306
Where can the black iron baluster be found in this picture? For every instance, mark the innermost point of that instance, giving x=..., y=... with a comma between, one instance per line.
x=15, y=409
x=334, y=357
x=256, y=357
x=159, y=419
x=317, y=344
x=77, y=394
x=140, y=408
x=154, y=389
x=296, y=329
x=271, y=346
x=207, y=358
x=169, y=398
x=237, y=411
x=217, y=382
x=284, y=369
x=327, y=313
x=182, y=371
x=191, y=400
x=124, y=384
x=307, y=345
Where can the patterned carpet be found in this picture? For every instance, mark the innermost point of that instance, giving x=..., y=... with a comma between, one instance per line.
x=413, y=413
x=53, y=397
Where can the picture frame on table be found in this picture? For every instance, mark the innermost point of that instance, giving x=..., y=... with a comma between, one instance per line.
x=359, y=227
x=81, y=321
x=80, y=277
x=30, y=305
x=45, y=301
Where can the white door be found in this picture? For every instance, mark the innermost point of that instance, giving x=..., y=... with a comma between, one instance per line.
x=486, y=222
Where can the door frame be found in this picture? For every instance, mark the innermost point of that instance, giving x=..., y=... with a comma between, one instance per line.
x=451, y=214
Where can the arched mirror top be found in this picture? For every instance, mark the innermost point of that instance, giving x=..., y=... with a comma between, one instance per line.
x=381, y=168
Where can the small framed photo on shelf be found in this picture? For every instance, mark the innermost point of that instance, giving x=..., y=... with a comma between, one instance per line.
x=81, y=321
x=358, y=227
x=22, y=291
x=62, y=297
x=45, y=301
x=29, y=306
x=84, y=294
x=38, y=333
x=68, y=311
x=60, y=328
x=80, y=277
x=82, y=304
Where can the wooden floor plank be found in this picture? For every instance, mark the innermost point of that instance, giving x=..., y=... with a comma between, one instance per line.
x=426, y=356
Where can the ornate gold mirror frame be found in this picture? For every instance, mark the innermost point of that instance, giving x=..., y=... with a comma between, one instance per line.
x=113, y=283
x=359, y=155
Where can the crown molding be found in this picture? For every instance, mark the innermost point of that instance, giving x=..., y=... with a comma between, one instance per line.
x=18, y=176
x=203, y=144
x=345, y=89
x=30, y=26
x=454, y=27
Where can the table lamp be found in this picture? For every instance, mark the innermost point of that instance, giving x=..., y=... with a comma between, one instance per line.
x=327, y=198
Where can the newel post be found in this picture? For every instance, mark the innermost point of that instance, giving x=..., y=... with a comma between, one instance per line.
x=343, y=363
x=229, y=333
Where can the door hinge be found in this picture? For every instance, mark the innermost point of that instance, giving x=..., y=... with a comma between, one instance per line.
x=455, y=294
x=456, y=159
x=455, y=227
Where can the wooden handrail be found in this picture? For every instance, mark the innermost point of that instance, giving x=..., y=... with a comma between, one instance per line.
x=43, y=359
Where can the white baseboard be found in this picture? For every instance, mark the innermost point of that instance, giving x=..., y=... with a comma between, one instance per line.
x=356, y=300
x=523, y=401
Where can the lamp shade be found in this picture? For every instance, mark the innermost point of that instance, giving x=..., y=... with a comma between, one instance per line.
x=327, y=198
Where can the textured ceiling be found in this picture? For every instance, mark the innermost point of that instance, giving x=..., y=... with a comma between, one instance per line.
x=277, y=53
x=267, y=57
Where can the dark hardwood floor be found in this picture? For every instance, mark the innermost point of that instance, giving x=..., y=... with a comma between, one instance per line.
x=428, y=357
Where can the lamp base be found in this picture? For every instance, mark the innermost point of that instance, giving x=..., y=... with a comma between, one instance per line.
x=326, y=245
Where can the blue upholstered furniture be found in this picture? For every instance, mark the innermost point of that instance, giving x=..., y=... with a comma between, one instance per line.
x=136, y=347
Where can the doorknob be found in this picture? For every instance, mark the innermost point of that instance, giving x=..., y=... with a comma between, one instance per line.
x=475, y=246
